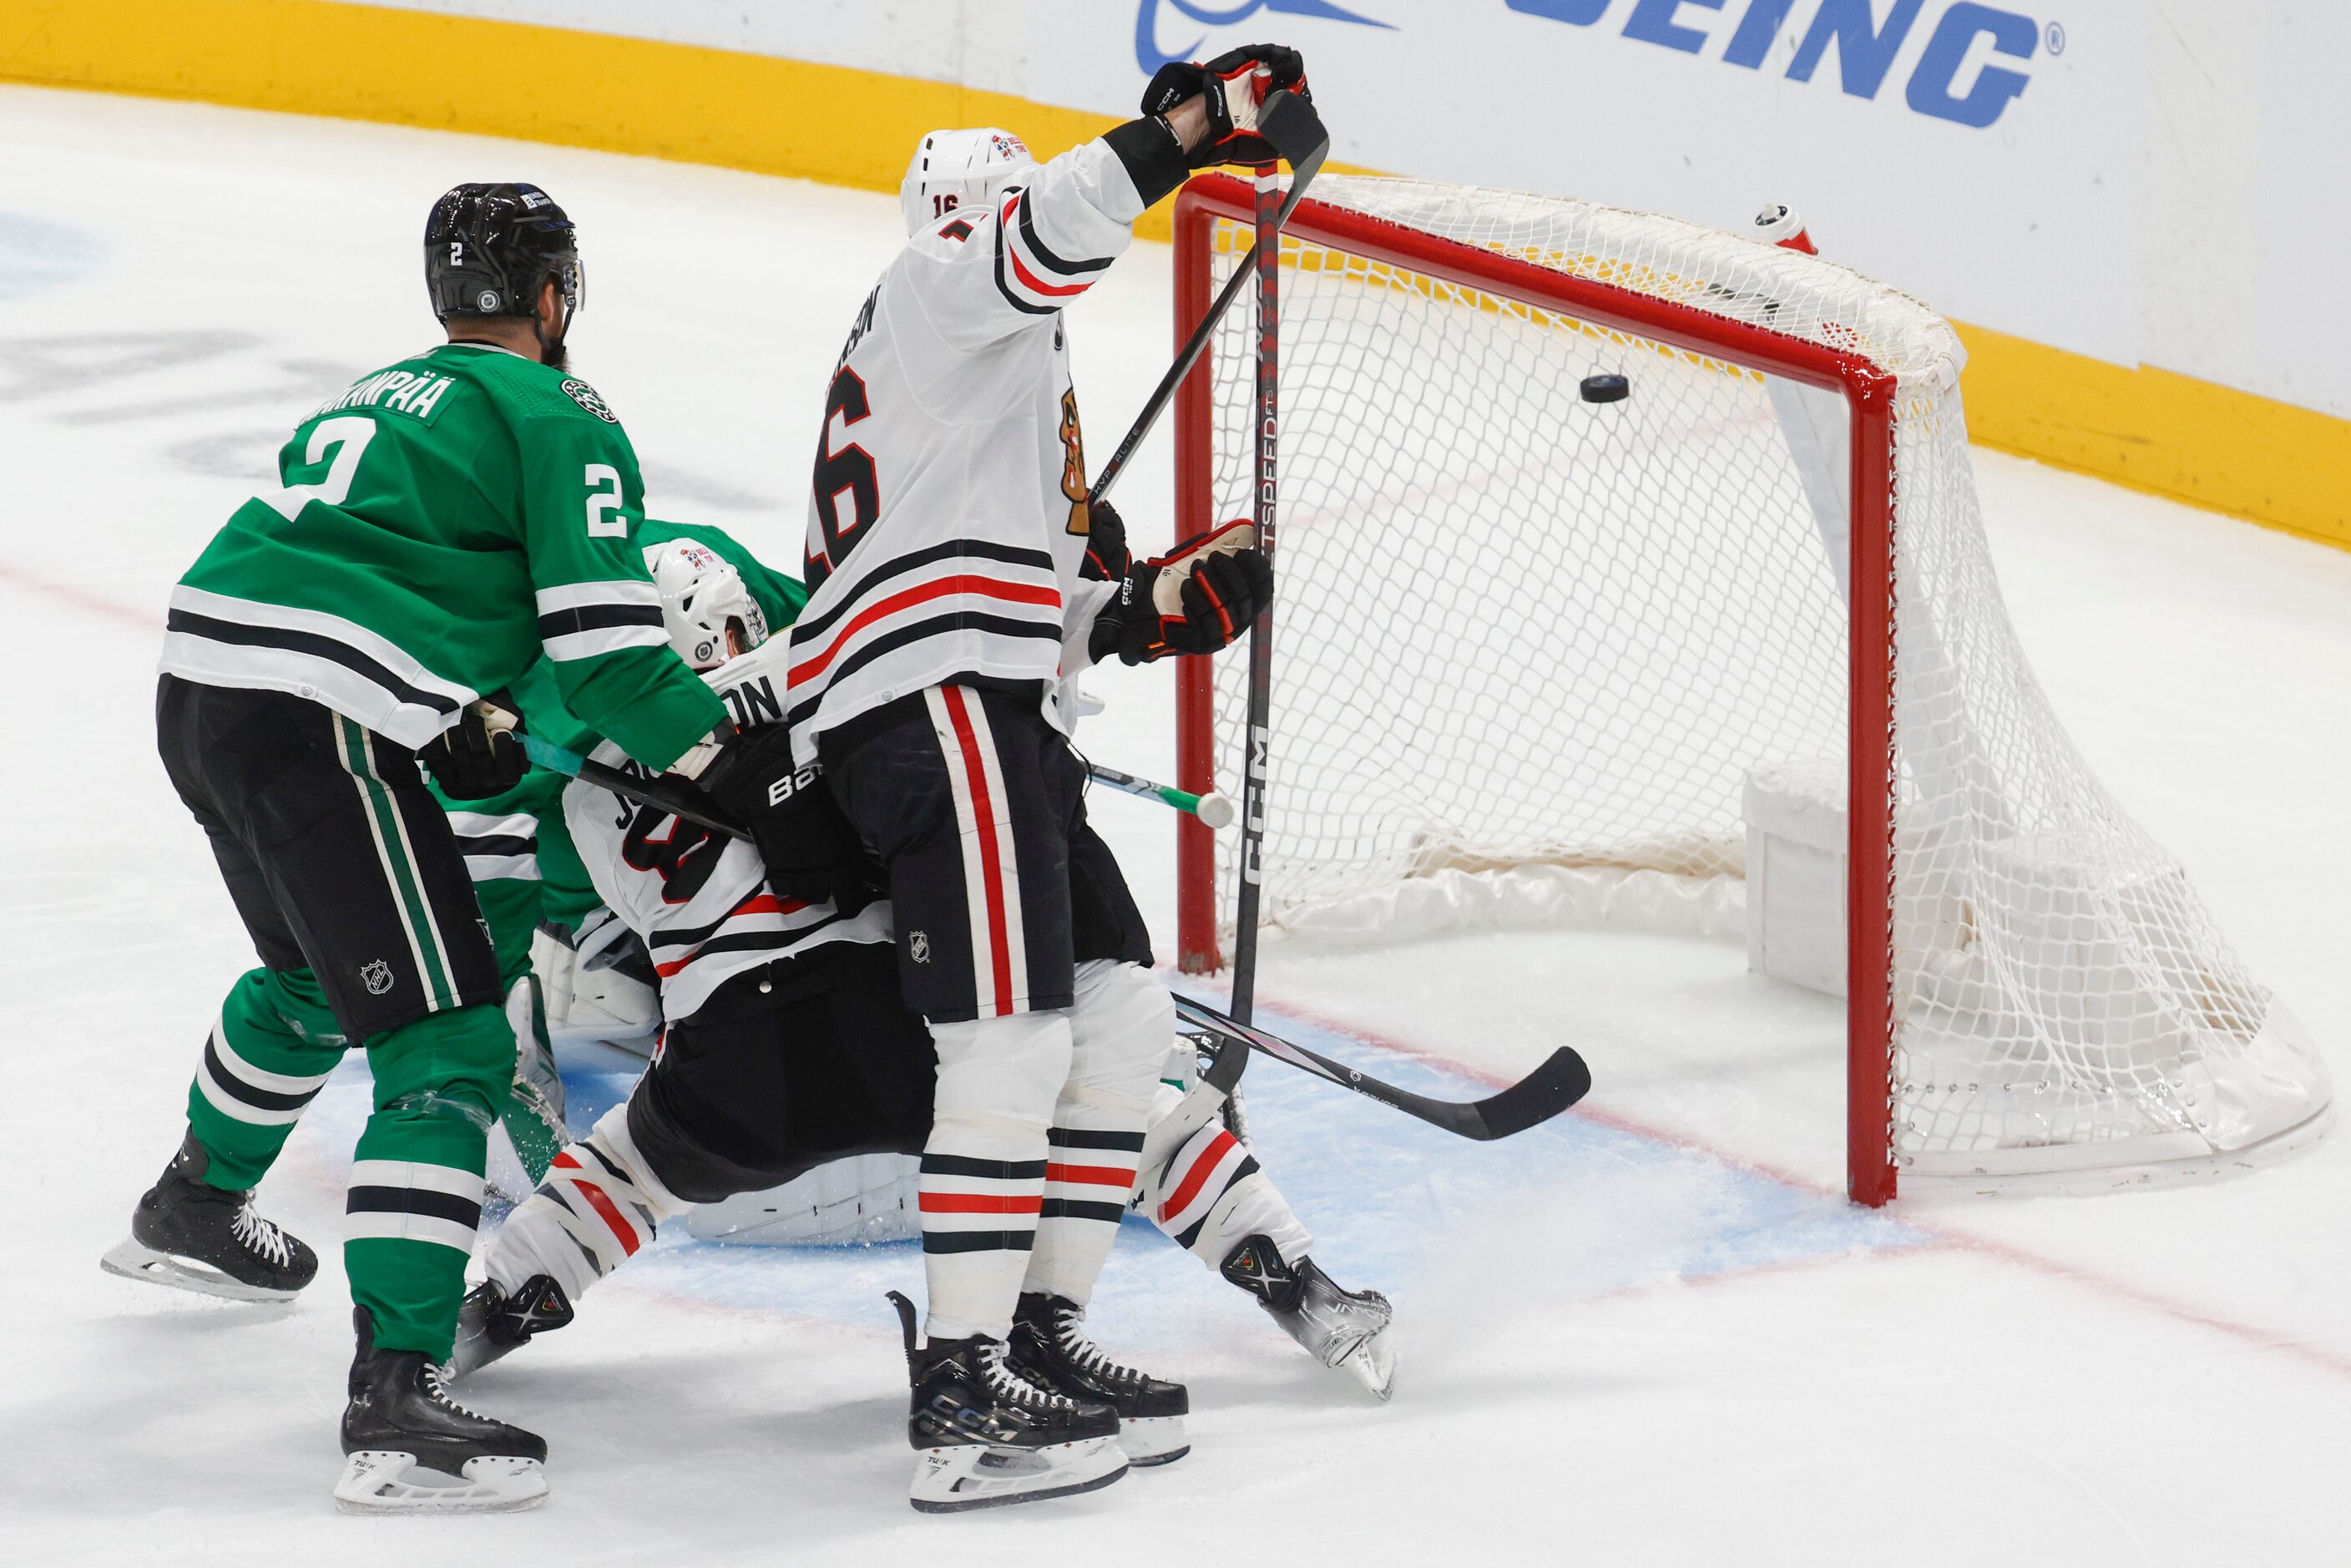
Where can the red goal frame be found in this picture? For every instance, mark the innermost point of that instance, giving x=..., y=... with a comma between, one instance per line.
x=1869, y=393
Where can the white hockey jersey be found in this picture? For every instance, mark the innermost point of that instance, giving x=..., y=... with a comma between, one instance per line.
x=948, y=515
x=701, y=902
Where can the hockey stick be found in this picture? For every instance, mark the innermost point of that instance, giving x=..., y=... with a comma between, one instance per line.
x=1550, y=1089
x=627, y=786
x=1215, y=810
x=1267, y=489
x=1293, y=129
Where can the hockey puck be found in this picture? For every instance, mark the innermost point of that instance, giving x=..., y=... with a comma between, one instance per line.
x=1606, y=389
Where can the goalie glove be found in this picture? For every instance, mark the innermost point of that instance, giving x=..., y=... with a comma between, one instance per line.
x=810, y=851
x=478, y=756
x=1195, y=600
x=1233, y=95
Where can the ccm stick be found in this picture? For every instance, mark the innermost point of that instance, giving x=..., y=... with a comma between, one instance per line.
x=1550, y=1089
x=1292, y=128
x=1558, y=1084
x=1215, y=810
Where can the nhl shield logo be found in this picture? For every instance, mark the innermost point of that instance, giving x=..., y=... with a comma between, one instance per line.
x=918, y=947
x=376, y=976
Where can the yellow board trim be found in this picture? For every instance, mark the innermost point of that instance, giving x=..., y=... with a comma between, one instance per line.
x=2273, y=463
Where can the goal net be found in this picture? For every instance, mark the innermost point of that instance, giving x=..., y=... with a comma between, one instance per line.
x=1601, y=655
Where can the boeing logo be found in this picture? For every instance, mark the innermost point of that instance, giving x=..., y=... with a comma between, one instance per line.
x=1959, y=77
x=1150, y=56
x=1865, y=49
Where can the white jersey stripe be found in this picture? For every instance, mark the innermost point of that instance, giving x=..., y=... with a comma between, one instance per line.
x=598, y=639
x=422, y=1175
x=368, y=786
x=1015, y=938
x=435, y=1002
x=941, y=702
x=582, y=595
x=399, y=1225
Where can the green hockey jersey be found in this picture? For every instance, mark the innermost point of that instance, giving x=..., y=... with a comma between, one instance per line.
x=438, y=526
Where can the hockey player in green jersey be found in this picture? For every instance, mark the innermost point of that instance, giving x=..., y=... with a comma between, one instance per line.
x=439, y=528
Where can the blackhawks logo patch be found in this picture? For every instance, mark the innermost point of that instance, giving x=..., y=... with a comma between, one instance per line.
x=586, y=396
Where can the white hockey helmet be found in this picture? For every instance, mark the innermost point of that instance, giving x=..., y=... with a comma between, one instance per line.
x=708, y=613
x=955, y=168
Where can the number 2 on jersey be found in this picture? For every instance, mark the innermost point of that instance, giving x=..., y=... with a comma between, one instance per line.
x=345, y=437
x=604, y=521
x=848, y=471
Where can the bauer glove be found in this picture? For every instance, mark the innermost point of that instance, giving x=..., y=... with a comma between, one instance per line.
x=1229, y=84
x=478, y=756
x=1195, y=600
x=811, y=853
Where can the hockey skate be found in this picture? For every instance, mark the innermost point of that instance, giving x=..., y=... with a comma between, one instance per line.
x=1350, y=1329
x=193, y=1236
x=1049, y=1348
x=986, y=1437
x=490, y=1321
x=413, y=1449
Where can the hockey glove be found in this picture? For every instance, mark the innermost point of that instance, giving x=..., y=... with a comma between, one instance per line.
x=1195, y=600
x=811, y=853
x=478, y=756
x=1107, y=557
x=1233, y=94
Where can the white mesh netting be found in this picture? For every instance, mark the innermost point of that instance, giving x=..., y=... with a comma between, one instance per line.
x=1515, y=629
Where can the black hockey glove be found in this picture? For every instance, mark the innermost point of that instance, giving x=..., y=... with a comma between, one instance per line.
x=1196, y=599
x=478, y=756
x=1230, y=85
x=811, y=853
x=1107, y=557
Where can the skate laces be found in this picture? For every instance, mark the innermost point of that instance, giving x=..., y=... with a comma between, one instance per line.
x=1070, y=1335
x=437, y=1389
x=1006, y=1383
x=259, y=1237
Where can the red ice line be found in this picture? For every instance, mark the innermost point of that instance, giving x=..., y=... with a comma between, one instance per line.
x=82, y=599
x=1944, y=1238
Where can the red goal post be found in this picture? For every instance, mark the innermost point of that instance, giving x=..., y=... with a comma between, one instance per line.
x=1869, y=392
x=1730, y=649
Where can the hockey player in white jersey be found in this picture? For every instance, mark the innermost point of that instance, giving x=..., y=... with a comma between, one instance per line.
x=955, y=601
x=789, y=1047
x=957, y=594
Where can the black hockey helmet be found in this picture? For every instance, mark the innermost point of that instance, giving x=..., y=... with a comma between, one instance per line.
x=487, y=249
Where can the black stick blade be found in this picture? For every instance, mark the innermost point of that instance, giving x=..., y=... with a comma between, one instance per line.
x=1562, y=1081
x=1293, y=129
x=1558, y=1084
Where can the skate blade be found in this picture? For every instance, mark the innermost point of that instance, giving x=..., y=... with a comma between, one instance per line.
x=129, y=1260
x=377, y=1481
x=1153, y=1440
x=953, y=1479
x=1374, y=1362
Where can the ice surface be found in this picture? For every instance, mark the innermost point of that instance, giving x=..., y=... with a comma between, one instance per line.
x=1652, y=1332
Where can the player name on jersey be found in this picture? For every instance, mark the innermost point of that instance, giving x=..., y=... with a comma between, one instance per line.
x=946, y=525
